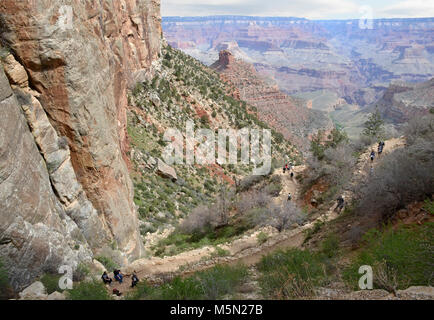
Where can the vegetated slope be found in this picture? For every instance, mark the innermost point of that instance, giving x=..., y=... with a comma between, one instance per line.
x=287, y=115
x=325, y=249
x=183, y=89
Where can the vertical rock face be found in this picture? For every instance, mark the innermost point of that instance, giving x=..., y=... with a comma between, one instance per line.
x=80, y=57
x=36, y=235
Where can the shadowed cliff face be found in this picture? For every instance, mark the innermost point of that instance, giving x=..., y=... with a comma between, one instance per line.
x=78, y=72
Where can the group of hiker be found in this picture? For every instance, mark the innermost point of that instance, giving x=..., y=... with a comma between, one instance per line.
x=380, y=149
x=119, y=277
x=288, y=168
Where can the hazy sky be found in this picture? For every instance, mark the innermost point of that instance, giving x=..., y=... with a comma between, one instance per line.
x=312, y=9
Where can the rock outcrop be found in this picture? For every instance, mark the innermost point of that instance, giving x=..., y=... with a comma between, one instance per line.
x=36, y=291
x=64, y=181
x=404, y=101
x=36, y=233
x=166, y=171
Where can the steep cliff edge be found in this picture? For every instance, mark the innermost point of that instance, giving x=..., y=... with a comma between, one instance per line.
x=70, y=66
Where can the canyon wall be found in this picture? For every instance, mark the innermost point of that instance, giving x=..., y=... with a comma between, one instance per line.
x=285, y=114
x=311, y=55
x=70, y=64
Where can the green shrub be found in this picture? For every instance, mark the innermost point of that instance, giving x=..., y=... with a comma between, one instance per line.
x=107, y=262
x=221, y=280
x=211, y=284
x=141, y=291
x=406, y=252
x=82, y=271
x=180, y=289
x=315, y=229
x=330, y=246
x=262, y=237
x=291, y=274
x=51, y=282
x=93, y=290
x=219, y=252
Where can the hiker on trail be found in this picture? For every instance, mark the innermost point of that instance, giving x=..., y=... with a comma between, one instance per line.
x=119, y=277
x=340, y=205
x=290, y=166
x=381, y=147
x=106, y=279
x=134, y=280
x=284, y=169
x=289, y=197
x=372, y=155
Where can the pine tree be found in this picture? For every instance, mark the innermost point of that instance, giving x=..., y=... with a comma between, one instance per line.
x=374, y=127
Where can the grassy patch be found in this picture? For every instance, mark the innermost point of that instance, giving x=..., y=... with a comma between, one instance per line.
x=291, y=274
x=51, y=282
x=262, y=237
x=315, y=229
x=107, y=262
x=94, y=290
x=211, y=284
x=403, y=256
x=180, y=242
x=330, y=246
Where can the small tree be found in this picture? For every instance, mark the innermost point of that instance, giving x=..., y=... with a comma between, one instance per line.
x=282, y=217
x=316, y=145
x=374, y=127
x=224, y=204
x=199, y=220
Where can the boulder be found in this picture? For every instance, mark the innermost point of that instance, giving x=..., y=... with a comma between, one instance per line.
x=155, y=99
x=416, y=293
x=36, y=291
x=56, y=296
x=98, y=266
x=166, y=171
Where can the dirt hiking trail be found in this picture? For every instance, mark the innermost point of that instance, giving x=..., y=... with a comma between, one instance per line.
x=247, y=250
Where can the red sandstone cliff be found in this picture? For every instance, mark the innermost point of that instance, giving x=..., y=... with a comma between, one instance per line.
x=76, y=76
